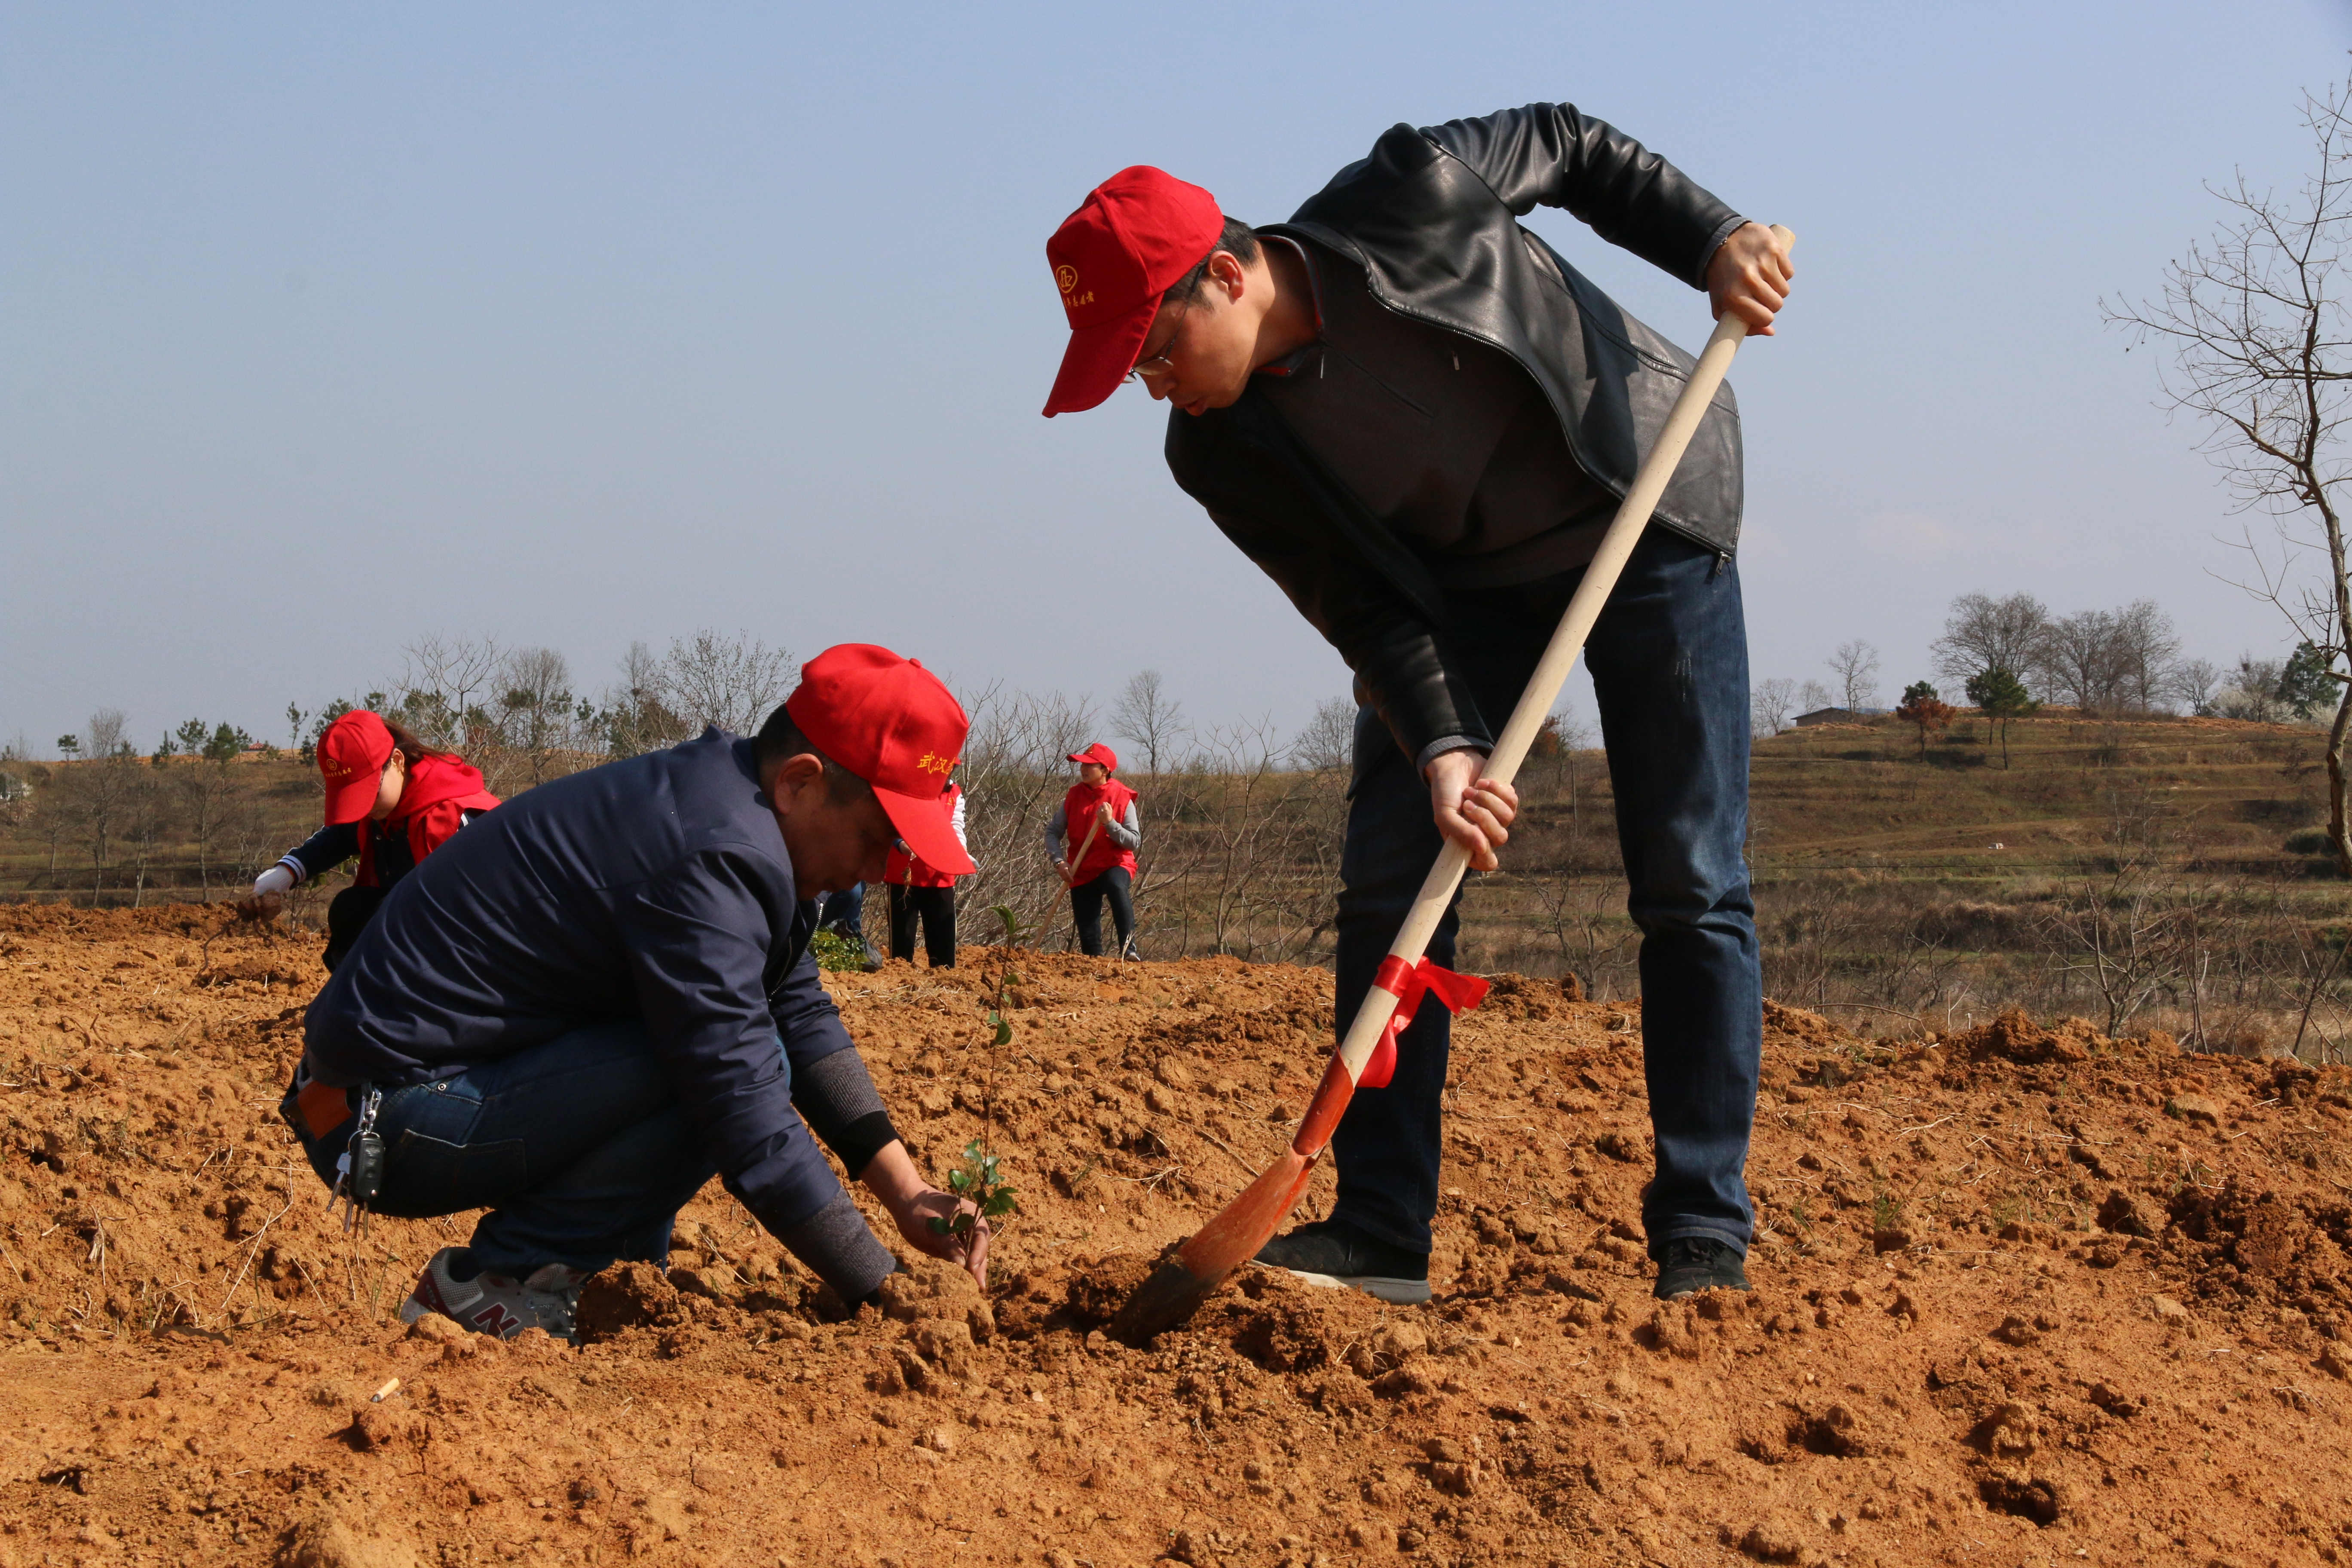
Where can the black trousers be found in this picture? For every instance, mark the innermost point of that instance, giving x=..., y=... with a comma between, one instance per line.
x=935, y=907
x=1086, y=908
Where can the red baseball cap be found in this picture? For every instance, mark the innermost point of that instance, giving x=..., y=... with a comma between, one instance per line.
x=1113, y=259
x=1097, y=753
x=352, y=756
x=891, y=722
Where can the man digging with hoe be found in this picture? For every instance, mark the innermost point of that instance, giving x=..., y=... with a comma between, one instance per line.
x=600, y=995
x=1420, y=421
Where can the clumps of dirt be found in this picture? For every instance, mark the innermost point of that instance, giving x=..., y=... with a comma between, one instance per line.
x=2025, y=1288
x=2012, y=1036
x=1082, y=1294
x=627, y=1296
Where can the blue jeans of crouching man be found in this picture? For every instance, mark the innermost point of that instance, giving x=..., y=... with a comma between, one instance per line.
x=577, y=1147
x=1669, y=665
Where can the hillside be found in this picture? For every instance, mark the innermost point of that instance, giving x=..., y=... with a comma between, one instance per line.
x=2024, y=1295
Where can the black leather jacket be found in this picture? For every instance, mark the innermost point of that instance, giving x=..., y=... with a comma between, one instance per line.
x=1432, y=218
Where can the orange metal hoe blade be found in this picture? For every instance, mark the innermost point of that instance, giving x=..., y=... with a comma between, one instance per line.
x=1178, y=1287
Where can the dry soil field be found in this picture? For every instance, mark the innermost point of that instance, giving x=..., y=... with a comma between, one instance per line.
x=2026, y=1296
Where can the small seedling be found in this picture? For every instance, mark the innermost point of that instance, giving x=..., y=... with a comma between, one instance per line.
x=977, y=1179
x=1886, y=1208
x=1017, y=932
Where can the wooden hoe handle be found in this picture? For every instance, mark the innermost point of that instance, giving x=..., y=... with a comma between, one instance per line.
x=1070, y=876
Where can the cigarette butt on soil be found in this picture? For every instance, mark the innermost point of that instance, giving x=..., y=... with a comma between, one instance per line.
x=380, y=1394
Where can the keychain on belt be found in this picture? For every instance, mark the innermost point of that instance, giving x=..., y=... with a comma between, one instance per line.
x=358, y=1173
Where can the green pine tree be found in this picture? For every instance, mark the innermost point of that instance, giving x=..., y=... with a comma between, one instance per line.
x=2001, y=698
x=2305, y=685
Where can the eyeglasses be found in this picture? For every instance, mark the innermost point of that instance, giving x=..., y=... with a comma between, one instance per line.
x=1158, y=364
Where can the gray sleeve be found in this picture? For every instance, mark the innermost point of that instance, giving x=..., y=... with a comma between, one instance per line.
x=1127, y=831
x=1057, y=826
x=838, y=1248
x=836, y=1095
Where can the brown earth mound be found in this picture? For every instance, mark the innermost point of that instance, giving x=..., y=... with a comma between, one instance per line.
x=2023, y=1295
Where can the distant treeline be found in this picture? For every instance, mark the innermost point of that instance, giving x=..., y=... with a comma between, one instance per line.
x=2120, y=663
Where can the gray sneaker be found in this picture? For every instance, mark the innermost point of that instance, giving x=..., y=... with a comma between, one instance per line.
x=497, y=1303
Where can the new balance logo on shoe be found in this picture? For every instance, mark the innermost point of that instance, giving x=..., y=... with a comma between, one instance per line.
x=495, y=1318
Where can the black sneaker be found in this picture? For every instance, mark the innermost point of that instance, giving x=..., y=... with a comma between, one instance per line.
x=1695, y=1263
x=1338, y=1256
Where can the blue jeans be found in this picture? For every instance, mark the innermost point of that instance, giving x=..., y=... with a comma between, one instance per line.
x=577, y=1147
x=1669, y=664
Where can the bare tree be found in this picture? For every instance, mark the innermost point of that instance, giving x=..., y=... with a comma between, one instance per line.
x=2122, y=926
x=1258, y=845
x=733, y=682
x=441, y=678
x=208, y=802
x=1856, y=664
x=1329, y=741
x=2261, y=336
x=1769, y=703
x=633, y=716
x=2076, y=660
x=2145, y=646
x=1014, y=771
x=101, y=793
x=2253, y=692
x=1813, y=696
x=2194, y=683
x=105, y=737
x=1984, y=633
x=148, y=818
x=535, y=719
x=1146, y=717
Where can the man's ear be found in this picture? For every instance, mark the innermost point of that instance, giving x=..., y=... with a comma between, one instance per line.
x=1226, y=271
x=794, y=777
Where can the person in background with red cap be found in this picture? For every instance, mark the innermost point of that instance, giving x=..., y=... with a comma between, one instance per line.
x=602, y=994
x=1418, y=419
x=921, y=891
x=1098, y=820
x=391, y=801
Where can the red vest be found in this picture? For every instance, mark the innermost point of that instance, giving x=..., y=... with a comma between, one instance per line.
x=1079, y=816
x=439, y=791
x=913, y=870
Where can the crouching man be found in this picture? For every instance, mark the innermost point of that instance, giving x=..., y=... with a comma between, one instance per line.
x=601, y=995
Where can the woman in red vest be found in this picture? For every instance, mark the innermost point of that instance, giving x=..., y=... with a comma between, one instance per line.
x=390, y=801
x=1099, y=819
x=921, y=890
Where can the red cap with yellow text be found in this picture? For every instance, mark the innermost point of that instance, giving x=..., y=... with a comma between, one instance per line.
x=352, y=756
x=891, y=722
x=1113, y=259
x=1097, y=753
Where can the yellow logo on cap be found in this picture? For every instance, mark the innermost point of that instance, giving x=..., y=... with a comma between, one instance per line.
x=1067, y=276
x=932, y=762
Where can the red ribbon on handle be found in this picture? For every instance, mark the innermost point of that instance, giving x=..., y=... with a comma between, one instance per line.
x=1409, y=983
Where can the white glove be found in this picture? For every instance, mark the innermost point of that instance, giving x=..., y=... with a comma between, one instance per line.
x=277, y=879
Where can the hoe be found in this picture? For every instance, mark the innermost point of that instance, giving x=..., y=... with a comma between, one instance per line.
x=1367, y=1055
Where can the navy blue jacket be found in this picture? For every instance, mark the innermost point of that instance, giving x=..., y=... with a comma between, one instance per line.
x=656, y=888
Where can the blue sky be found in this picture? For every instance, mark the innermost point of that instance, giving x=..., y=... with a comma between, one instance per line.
x=325, y=326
